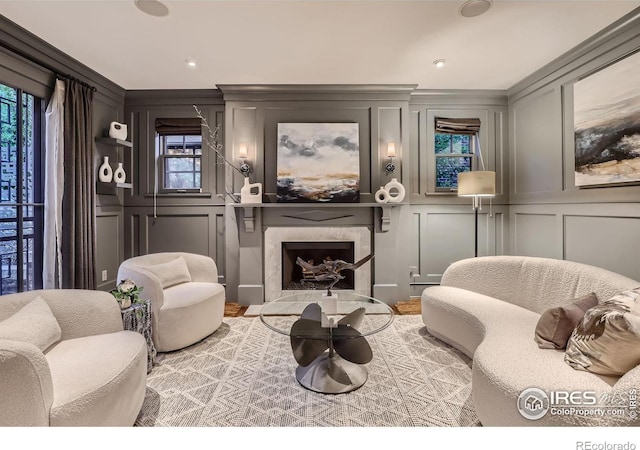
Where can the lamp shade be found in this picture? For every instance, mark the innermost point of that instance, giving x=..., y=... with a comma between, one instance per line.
x=242, y=151
x=478, y=183
x=391, y=150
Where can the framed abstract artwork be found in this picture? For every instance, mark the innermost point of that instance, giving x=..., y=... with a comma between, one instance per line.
x=318, y=162
x=607, y=125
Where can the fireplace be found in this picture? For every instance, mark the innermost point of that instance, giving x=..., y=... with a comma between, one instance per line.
x=350, y=244
x=314, y=253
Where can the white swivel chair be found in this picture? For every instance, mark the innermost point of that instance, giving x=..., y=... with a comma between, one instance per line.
x=187, y=302
x=65, y=360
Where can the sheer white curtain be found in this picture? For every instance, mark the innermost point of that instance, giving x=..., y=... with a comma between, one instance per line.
x=53, y=188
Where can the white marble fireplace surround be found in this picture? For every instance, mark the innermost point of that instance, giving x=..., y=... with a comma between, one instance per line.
x=275, y=236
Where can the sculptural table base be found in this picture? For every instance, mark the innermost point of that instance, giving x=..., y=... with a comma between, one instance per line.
x=331, y=375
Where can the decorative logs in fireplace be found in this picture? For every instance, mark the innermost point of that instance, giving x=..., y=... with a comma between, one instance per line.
x=293, y=275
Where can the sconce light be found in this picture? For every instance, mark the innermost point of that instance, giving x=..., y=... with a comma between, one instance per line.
x=245, y=168
x=391, y=153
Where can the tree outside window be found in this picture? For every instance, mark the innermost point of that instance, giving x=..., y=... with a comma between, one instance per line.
x=453, y=155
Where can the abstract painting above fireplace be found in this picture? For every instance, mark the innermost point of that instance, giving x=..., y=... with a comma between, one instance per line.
x=318, y=162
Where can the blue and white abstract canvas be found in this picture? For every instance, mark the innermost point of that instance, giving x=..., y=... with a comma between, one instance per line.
x=318, y=162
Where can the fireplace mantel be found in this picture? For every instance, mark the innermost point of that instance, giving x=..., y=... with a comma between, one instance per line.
x=249, y=211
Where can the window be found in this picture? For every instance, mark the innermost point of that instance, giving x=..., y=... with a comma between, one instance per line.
x=454, y=144
x=180, y=153
x=21, y=196
x=181, y=157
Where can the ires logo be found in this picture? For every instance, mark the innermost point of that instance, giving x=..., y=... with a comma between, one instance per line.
x=534, y=403
x=573, y=398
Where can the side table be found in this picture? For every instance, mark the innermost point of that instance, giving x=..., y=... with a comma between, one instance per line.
x=137, y=317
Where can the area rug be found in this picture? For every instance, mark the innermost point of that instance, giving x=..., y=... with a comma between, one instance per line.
x=243, y=376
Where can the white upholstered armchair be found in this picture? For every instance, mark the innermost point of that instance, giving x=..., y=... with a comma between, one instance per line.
x=187, y=301
x=66, y=361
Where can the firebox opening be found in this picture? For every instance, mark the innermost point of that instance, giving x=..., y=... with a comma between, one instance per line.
x=314, y=253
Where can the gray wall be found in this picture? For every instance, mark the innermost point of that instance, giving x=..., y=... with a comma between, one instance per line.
x=443, y=225
x=30, y=63
x=549, y=215
x=252, y=114
x=179, y=222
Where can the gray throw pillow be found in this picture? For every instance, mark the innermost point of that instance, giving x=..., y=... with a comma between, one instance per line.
x=607, y=339
x=555, y=325
x=34, y=323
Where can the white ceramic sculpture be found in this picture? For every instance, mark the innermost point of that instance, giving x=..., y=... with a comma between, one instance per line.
x=119, y=176
x=105, y=173
x=118, y=131
x=381, y=195
x=251, y=192
x=396, y=191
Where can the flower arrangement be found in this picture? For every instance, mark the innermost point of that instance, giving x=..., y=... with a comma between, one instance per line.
x=127, y=293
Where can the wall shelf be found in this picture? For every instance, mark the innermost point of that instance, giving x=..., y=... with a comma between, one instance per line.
x=114, y=142
x=103, y=188
x=110, y=188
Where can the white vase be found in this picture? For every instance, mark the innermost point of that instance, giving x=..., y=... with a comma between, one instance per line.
x=125, y=303
x=105, y=173
x=251, y=192
x=381, y=195
x=396, y=191
x=119, y=176
x=118, y=131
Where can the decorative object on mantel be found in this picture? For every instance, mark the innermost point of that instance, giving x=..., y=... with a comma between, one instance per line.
x=606, y=113
x=250, y=193
x=396, y=191
x=213, y=142
x=330, y=270
x=118, y=131
x=381, y=195
x=127, y=293
x=119, y=175
x=105, y=173
x=318, y=162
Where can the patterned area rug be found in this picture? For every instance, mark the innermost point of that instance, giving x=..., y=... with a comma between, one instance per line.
x=243, y=376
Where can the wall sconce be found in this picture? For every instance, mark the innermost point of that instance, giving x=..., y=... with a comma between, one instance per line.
x=245, y=168
x=391, y=153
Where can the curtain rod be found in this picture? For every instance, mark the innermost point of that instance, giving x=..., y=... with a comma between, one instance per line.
x=77, y=80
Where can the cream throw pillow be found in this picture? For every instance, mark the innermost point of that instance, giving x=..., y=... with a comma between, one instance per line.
x=172, y=272
x=607, y=339
x=34, y=323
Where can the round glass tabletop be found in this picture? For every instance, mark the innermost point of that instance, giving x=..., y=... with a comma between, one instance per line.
x=313, y=315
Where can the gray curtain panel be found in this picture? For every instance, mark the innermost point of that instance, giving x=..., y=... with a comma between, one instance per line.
x=78, y=201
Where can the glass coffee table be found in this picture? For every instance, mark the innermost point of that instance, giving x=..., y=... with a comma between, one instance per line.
x=328, y=336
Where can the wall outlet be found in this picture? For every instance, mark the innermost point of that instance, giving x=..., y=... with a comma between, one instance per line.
x=105, y=276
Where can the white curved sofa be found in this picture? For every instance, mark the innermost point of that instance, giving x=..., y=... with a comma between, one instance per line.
x=94, y=374
x=185, y=311
x=488, y=307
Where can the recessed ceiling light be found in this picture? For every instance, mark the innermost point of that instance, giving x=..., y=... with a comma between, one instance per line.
x=191, y=63
x=473, y=8
x=439, y=63
x=152, y=7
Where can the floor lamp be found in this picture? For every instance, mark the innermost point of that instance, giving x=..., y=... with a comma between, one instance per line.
x=477, y=184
